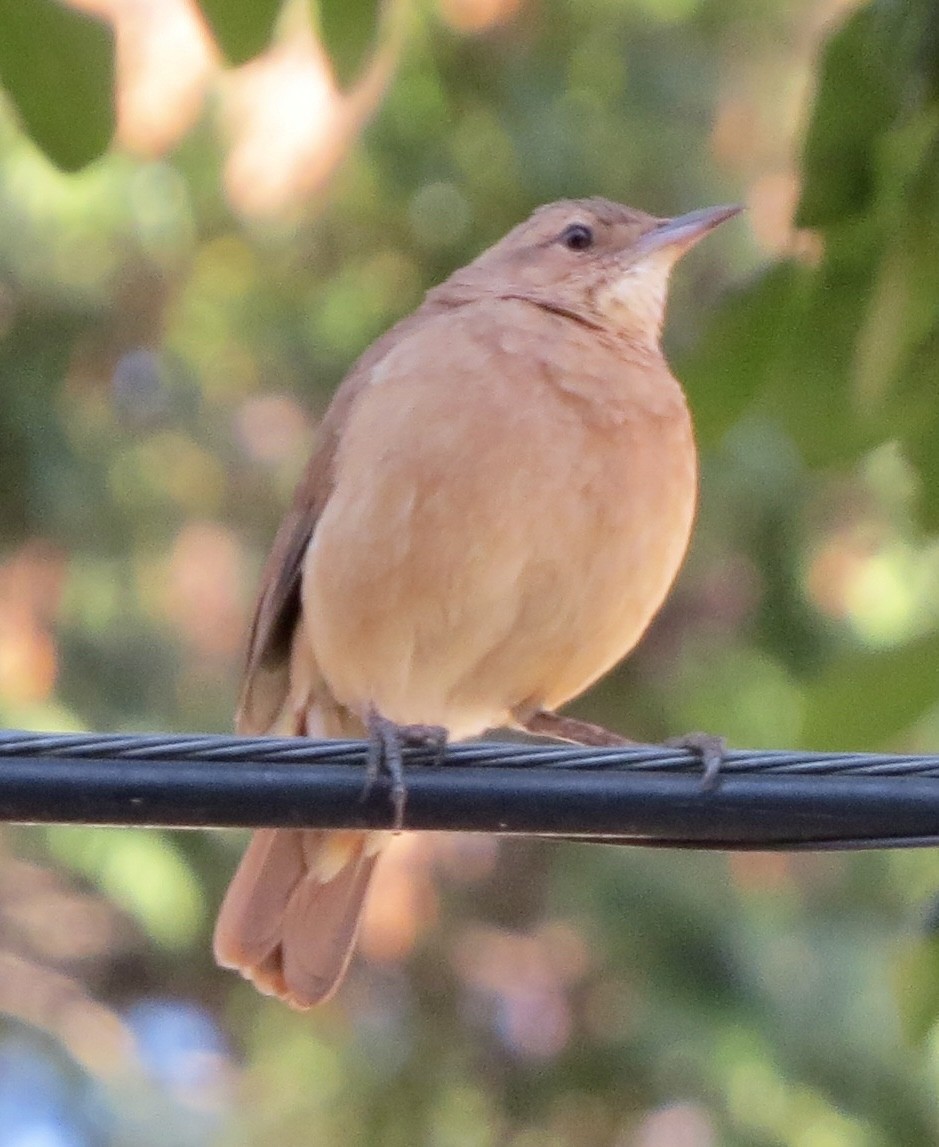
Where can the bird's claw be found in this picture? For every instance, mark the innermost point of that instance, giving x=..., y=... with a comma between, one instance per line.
x=711, y=751
x=434, y=737
x=385, y=744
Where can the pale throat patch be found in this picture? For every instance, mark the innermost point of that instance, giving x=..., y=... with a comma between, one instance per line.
x=637, y=296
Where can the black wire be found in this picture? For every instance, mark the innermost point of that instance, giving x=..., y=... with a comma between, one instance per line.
x=260, y=750
x=647, y=795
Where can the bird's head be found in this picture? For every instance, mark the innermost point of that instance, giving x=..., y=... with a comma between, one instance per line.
x=594, y=259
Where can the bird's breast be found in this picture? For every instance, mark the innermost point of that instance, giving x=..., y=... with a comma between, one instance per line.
x=504, y=524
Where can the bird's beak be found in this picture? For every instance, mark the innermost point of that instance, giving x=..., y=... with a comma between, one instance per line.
x=684, y=231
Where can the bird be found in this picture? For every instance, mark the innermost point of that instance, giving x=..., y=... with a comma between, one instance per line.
x=500, y=496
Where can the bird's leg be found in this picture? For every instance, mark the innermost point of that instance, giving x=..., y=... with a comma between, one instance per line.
x=709, y=749
x=385, y=742
x=544, y=723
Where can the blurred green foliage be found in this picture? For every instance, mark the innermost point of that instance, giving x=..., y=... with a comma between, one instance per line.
x=164, y=354
x=58, y=67
x=241, y=30
x=348, y=29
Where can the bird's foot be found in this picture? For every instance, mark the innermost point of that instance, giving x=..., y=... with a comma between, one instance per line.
x=386, y=740
x=544, y=723
x=710, y=750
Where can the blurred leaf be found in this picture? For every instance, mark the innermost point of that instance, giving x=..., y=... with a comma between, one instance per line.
x=922, y=450
x=35, y=459
x=899, y=339
x=787, y=340
x=58, y=67
x=348, y=28
x=916, y=986
x=737, y=354
x=143, y=871
x=865, y=699
x=243, y=28
x=859, y=94
x=877, y=69
x=812, y=387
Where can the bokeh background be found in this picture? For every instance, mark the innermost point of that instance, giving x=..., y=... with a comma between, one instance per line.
x=176, y=305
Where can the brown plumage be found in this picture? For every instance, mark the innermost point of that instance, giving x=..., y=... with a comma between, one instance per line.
x=500, y=497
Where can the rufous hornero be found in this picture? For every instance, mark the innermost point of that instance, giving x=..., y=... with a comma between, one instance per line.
x=500, y=496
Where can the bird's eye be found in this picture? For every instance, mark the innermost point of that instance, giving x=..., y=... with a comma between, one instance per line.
x=577, y=237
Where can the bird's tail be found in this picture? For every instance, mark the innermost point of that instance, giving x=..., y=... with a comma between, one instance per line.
x=290, y=916
x=289, y=919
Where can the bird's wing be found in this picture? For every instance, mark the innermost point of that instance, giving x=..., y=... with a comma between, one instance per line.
x=266, y=679
x=265, y=683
